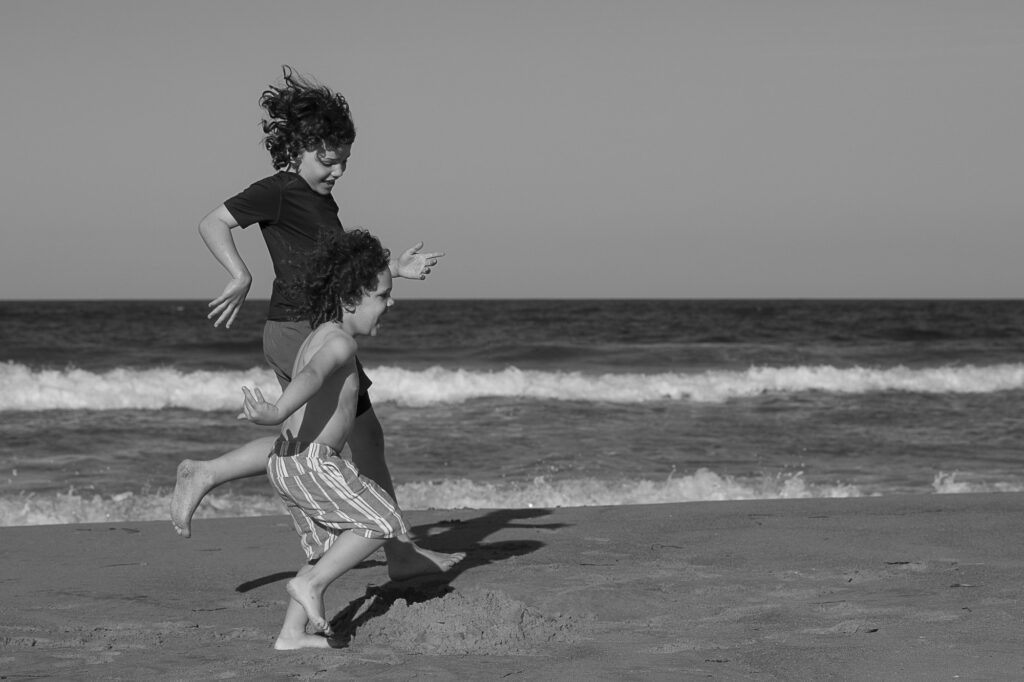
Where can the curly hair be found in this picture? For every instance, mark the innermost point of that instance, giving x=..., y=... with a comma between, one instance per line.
x=338, y=272
x=303, y=116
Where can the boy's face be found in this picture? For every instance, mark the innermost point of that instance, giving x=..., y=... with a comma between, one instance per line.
x=321, y=168
x=364, y=318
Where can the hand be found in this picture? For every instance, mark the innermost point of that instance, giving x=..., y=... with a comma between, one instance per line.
x=226, y=306
x=257, y=410
x=415, y=265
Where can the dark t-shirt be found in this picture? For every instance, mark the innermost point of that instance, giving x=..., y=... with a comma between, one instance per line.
x=291, y=217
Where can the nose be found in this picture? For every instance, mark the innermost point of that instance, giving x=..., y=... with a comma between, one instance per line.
x=337, y=170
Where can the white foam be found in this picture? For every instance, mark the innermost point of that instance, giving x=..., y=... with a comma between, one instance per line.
x=23, y=388
x=72, y=507
x=701, y=485
x=946, y=483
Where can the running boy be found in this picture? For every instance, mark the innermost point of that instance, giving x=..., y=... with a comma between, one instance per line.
x=309, y=135
x=341, y=516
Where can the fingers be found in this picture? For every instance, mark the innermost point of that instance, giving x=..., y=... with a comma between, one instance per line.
x=218, y=308
x=220, y=319
x=253, y=403
x=226, y=310
x=226, y=306
x=246, y=410
x=429, y=261
x=245, y=414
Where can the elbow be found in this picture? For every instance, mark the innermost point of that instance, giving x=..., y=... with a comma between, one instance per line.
x=213, y=226
x=206, y=227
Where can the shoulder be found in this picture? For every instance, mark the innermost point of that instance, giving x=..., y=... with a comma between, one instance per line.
x=296, y=191
x=273, y=185
x=279, y=182
x=279, y=179
x=289, y=181
x=335, y=342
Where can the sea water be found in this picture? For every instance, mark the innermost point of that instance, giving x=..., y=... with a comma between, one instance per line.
x=516, y=403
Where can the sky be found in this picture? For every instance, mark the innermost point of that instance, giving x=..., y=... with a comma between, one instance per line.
x=552, y=149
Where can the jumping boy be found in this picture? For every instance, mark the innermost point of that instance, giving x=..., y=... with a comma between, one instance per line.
x=341, y=516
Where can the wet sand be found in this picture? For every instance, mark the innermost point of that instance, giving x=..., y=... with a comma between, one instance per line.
x=896, y=588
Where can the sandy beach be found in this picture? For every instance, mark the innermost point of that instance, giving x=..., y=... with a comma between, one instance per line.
x=909, y=588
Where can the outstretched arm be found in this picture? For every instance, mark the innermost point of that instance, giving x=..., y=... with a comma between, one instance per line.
x=256, y=409
x=332, y=355
x=414, y=265
x=215, y=229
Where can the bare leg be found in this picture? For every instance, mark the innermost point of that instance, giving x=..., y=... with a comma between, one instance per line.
x=307, y=589
x=198, y=477
x=405, y=559
x=293, y=633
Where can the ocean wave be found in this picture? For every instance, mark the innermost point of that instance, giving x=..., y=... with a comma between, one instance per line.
x=458, y=493
x=702, y=485
x=24, y=388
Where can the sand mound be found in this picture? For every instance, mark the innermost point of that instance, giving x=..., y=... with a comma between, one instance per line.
x=471, y=622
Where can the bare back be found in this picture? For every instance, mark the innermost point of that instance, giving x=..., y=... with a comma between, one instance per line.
x=327, y=357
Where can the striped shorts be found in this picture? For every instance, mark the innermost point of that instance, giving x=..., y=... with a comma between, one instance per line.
x=326, y=496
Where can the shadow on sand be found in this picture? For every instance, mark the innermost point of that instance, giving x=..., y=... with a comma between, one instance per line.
x=444, y=536
x=456, y=536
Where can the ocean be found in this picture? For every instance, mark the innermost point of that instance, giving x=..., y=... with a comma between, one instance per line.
x=530, y=403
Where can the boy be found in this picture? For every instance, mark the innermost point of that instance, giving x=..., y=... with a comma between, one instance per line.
x=341, y=516
x=309, y=135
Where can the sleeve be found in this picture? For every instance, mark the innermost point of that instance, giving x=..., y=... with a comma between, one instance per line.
x=259, y=203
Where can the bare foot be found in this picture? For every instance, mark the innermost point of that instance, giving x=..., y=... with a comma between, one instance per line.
x=193, y=482
x=288, y=642
x=406, y=560
x=312, y=603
